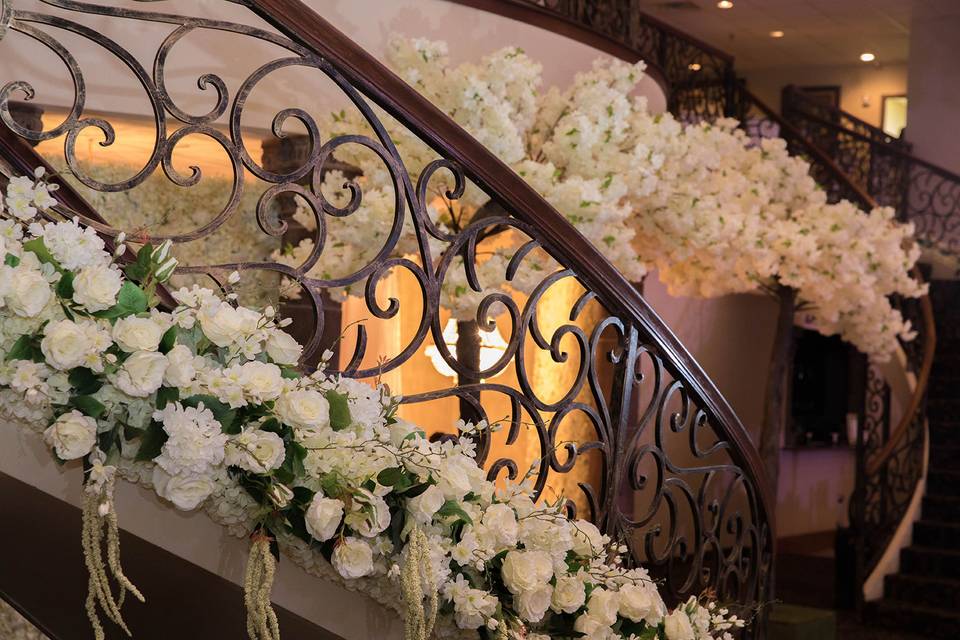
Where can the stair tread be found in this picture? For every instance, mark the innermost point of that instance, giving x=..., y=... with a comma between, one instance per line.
x=934, y=550
x=920, y=577
x=919, y=608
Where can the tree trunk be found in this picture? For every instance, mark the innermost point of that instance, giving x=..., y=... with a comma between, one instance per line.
x=776, y=401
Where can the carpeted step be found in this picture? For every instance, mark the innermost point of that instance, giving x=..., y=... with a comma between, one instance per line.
x=941, y=508
x=939, y=593
x=945, y=457
x=923, y=561
x=792, y=622
x=937, y=535
x=942, y=482
x=934, y=624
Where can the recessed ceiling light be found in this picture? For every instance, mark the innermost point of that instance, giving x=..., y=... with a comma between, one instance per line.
x=867, y=57
x=725, y=4
x=694, y=66
x=776, y=34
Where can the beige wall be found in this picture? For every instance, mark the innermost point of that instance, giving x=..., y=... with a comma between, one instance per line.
x=857, y=82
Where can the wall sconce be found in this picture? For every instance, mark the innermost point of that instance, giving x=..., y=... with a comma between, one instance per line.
x=492, y=348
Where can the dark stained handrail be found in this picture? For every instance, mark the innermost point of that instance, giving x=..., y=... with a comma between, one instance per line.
x=299, y=22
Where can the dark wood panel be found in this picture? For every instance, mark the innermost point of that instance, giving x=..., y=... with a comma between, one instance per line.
x=42, y=576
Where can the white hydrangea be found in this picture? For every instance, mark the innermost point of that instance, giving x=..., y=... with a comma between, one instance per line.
x=195, y=443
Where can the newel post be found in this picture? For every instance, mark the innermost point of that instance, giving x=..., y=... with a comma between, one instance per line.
x=776, y=400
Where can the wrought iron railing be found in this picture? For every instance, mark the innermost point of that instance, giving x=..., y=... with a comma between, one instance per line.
x=700, y=84
x=921, y=192
x=666, y=465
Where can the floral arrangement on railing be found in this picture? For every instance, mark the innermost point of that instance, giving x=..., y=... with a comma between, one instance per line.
x=714, y=212
x=204, y=402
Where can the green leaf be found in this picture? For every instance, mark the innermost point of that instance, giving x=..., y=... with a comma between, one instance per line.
x=140, y=268
x=339, y=411
x=452, y=508
x=391, y=476
x=226, y=416
x=132, y=297
x=290, y=373
x=169, y=340
x=23, y=349
x=39, y=249
x=89, y=405
x=330, y=483
x=65, y=286
x=84, y=381
x=151, y=444
x=11, y=260
x=166, y=395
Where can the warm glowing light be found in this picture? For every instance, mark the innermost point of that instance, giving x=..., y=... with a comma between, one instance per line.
x=492, y=347
x=776, y=34
x=694, y=66
x=725, y=4
x=867, y=57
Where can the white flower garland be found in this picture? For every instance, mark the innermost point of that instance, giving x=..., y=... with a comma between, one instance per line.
x=204, y=403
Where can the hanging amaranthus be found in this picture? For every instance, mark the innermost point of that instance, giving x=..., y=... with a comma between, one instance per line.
x=258, y=583
x=100, y=531
x=418, y=571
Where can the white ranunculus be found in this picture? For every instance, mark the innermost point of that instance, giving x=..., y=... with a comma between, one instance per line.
x=96, y=287
x=641, y=602
x=181, y=367
x=283, y=348
x=604, y=606
x=533, y=604
x=140, y=374
x=65, y=344
x=500, y=520
x=568, y=595
x=323, y=517
x=256, y=451
x=29, y=292
x=303, y=408
x=185, y=491
x=526, y=570
x=677, y=626
x=353, y=558
x=587, y=539
x=72, y=436
x=370, y=515
x=137, y=334
x=261, y=381
x=223, y=324
x=423, y=506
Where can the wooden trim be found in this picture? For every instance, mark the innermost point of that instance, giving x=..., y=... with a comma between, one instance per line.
x=297, y=21
x=42, y=575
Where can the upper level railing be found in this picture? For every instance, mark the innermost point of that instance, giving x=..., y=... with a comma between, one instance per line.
x=597, y=392
x=921, y=192
x=700, y=85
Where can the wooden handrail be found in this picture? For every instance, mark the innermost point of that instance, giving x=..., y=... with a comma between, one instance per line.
x=297, y=21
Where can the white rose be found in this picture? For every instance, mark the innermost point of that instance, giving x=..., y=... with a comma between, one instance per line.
x=593, y=628
x=323, y=517
x=303, y=408
x=399, y=431
x=280, y=495
x=140, y=374
x=353, y=558
x=532, y=604
x=181, y=368
x=72, y=436
x=604, y=606
x=96, y=287
x=29, y=293
x=641, y=602
x=526, y=570
x=371, y=514
x=137, y=334
x=261, y=380
x=678, y=627
x=283, y=348
x=423, y=506
x=223, y=324
x=65, y=344
x=501, y=522
x=459, y=475
x=587, y=539
x=569, y=595
x=186, y=491
x=256, y=451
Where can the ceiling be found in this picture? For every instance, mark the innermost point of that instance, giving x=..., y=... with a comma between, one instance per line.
x=816, y=32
